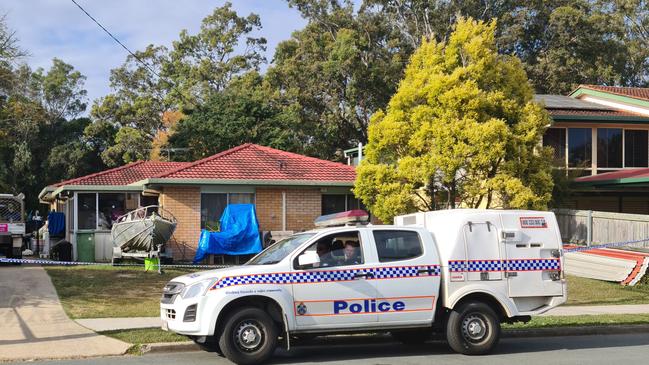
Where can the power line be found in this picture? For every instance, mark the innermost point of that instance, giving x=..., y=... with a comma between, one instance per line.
x=115, y=39
x=148, y=67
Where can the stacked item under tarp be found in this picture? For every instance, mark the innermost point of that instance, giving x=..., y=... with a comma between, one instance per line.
x=239, y=234
x=608, y=264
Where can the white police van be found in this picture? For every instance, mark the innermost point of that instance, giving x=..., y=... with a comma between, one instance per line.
x=459, y=272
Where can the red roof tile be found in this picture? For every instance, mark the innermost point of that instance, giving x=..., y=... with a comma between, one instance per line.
x=254, y=162
x=616, y=175
x=126, y=174
x=641, y=93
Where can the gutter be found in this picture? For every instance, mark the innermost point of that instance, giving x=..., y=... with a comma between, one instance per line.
x=45, y=198
x=591, y=118
x=165, y=181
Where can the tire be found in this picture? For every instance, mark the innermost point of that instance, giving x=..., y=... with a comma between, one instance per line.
x=412, y=336
x=473, y=329
x=249, y=336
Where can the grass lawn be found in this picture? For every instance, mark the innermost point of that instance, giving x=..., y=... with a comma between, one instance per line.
x=584, y=320
x=145, y=335
x=583, y=291
x=107, y=291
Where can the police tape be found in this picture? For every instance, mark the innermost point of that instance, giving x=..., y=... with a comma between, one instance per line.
x=81, y=263
x=179, y=266
x=606, y=245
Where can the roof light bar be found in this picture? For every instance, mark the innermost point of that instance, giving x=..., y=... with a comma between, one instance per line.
x=355, y=216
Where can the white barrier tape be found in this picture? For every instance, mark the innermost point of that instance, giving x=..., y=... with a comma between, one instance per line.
x=606, y=245
x=76, y=263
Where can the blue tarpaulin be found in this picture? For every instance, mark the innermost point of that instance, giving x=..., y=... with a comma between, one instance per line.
x=239, y=234
x=56, y=223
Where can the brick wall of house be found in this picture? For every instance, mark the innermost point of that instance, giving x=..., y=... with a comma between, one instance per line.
x=303, y=206
x=185, y=204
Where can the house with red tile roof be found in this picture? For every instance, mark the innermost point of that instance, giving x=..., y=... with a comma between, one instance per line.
x=289, y=191
x=600, y=137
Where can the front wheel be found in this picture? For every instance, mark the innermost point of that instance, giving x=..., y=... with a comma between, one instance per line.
x=249, y=336
x=473, y=329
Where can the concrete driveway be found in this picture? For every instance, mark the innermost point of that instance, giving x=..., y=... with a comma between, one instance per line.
x=33, y=324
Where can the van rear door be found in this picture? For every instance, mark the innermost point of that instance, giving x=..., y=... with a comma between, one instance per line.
x=532, y=247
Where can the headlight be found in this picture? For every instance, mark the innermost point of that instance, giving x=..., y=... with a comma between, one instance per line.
x=197, y=289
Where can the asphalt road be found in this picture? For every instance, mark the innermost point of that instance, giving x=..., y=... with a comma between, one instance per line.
x=620, y=349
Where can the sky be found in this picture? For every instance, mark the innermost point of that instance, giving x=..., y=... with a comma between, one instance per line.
x=57, y=28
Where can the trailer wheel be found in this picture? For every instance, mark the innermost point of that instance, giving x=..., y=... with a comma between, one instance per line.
x=473, y=329
x=248, y=337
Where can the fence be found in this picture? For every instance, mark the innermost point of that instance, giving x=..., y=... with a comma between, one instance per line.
x=587, y=226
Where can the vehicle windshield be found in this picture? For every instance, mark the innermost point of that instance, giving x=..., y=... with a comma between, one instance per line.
x=278, y=251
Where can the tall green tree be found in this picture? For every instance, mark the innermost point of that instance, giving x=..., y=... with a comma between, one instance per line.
x=40, y=138
x=336, y=72
x=137, y=104
x=204, y=63
x=462, y=129
x=560, y=42
x=181, y=79
x=244, y=112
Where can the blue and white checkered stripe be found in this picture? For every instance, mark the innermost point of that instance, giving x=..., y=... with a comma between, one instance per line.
x=533, y=265
x=329, y=276
x=504, y=265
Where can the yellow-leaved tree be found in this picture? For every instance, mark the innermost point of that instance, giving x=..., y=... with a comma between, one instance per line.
x=461, y=130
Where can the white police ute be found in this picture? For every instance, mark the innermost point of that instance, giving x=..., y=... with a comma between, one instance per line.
x=459, y=272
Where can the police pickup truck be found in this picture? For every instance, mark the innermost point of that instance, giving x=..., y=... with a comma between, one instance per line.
x=459, y=272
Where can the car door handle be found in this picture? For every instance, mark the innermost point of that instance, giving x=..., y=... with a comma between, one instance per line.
x=425, y=271
x=365, y=275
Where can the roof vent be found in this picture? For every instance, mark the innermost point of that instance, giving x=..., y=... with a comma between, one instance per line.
x=282, y=165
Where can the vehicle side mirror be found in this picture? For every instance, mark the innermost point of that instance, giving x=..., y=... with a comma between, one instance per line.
x=308, y=259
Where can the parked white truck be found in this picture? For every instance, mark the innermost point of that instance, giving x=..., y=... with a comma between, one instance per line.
x=459, y=272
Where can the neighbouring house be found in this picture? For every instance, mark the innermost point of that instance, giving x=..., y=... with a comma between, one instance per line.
x=600, y=136
x=289, y=191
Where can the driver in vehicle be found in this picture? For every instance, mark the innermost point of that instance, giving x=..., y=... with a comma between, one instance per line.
x=324, y=251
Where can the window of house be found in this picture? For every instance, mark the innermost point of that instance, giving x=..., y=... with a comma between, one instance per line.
x=213, y=205
x=579, y=147
x=146, y=201
x=87, y=210
x=333, y=203
x=241, y=198
x=111, y=207
x=394, y=245
x=635, y=148
x=609, y=147
x=354, y=203
x=336, y=203
x=556, y=138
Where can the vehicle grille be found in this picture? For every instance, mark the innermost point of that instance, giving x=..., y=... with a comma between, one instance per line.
x=170, y=292
x=170, y=313
x=190, y=313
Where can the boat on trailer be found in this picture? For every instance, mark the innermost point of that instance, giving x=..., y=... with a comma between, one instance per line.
x=142, y=233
